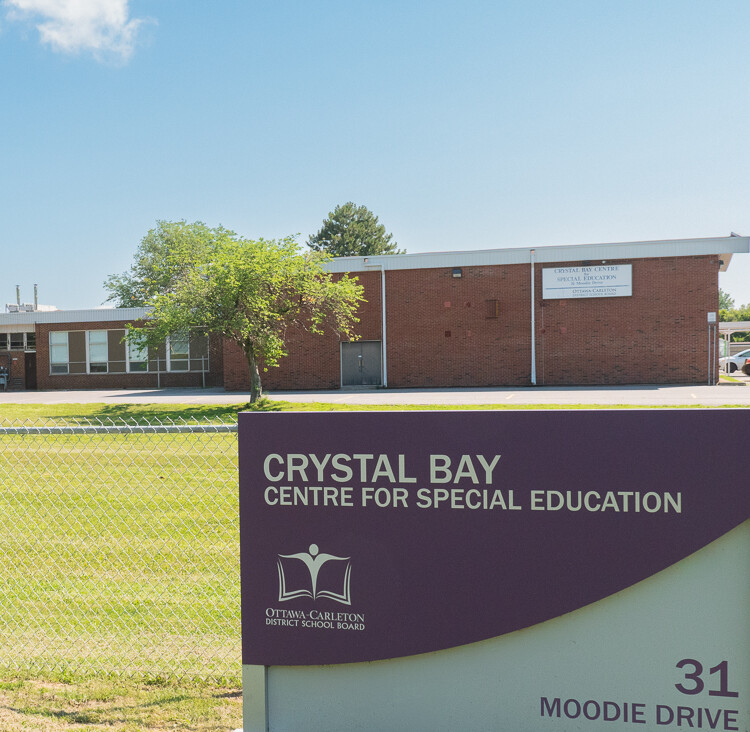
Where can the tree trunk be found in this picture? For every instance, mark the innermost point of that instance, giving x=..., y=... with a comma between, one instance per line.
x=256, y=388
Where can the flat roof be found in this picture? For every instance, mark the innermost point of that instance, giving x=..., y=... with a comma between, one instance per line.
x=94, y=315
x=723, y=247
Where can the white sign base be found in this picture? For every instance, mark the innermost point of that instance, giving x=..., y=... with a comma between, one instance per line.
x=668, y=653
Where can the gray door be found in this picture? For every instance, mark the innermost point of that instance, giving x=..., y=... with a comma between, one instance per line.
x=360, y=363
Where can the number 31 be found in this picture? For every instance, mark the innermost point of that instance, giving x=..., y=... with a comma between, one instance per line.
x=698, y=683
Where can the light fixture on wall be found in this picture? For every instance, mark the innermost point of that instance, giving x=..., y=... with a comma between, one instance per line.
x=457, y=272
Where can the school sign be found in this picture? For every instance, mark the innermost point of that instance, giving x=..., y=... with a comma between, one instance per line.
x=601, y=280
x=495, y=570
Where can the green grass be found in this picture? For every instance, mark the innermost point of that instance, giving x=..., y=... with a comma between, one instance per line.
x=326, y=407
x=119, y=589
x=117, y=412
x=150, y=412
x=726, y=379
x=119, y=593
x=120, y=553
x=117, y=704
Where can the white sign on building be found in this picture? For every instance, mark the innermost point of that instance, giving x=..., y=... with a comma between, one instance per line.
x=601, y=280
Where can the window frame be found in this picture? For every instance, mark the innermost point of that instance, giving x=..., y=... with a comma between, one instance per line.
x=89, y=361
x=17, y=347
x=141, y=350
x=138, y=358
x=182, y=358
x=52, y=362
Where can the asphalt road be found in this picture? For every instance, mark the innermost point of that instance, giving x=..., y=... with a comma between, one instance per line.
x=649, y=395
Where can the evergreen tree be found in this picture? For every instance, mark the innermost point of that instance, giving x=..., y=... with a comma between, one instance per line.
x=352, y=230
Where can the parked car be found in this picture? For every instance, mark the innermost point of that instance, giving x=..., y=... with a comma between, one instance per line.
x=731, y=363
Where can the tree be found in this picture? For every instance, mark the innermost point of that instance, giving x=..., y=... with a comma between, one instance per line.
x=164, y=255
x=732, y=314
x=726, y=302
x=352, y=230
x=248, y=291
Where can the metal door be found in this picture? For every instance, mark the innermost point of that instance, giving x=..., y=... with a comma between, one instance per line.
x=30, y=370
x=360, y=363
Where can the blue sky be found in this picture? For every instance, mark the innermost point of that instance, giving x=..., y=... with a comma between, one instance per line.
x=461, y=125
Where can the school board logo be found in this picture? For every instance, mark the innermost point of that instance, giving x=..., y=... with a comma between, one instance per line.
x=294, y=581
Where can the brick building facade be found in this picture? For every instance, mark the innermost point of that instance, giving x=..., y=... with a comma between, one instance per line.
x=86, y=349
x=464, y=319
x=452, y=319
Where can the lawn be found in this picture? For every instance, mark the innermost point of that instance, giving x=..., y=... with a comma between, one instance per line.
x=119, y=592
x=117, y=705
x=149, y=413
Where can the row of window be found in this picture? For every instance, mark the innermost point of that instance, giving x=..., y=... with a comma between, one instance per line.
x=108, y=351
x=18, y=341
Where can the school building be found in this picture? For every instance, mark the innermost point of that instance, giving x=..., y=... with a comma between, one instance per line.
x=627, y=313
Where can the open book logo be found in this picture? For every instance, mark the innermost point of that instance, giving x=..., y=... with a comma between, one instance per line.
x=332, y=582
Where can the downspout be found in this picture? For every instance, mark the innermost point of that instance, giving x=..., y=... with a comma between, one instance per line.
x=533, y=327
x=382, y=320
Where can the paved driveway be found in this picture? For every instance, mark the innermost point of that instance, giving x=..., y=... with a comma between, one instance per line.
x=632, y=395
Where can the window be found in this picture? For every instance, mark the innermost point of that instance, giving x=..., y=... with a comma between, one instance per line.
x=97, y=351
x=199, y=351
x=109, y=352
x=137, y=356
x=184, y=352
x=58, y=352
x=178, y=352
x=18, y=341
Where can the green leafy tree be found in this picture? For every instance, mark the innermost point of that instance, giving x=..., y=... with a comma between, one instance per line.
x=732, y=314
x=164, y=256
x=735, y=314
x=726, y=302
x=248, y=291
x=352, y=230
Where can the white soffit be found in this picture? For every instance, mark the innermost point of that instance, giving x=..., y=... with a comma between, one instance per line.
x=721, y=246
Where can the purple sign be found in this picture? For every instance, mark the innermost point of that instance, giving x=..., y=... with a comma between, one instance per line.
x=375, y=535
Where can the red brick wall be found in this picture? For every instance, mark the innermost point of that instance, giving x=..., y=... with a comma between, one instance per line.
x=45, y=380
x=16, y=362
x=439, y=332
x=314, y=360
x=659, y=335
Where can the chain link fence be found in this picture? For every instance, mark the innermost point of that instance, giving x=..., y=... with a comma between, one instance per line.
x=119, y=548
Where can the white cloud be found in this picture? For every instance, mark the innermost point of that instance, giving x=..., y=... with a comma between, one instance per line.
x=72, y=26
